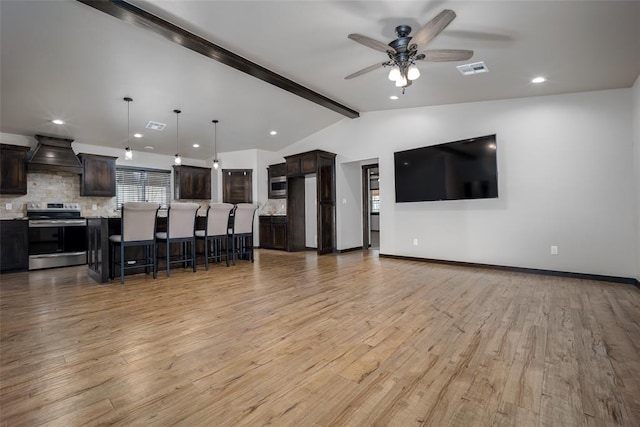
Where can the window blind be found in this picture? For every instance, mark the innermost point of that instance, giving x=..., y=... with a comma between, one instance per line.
x=140, y=185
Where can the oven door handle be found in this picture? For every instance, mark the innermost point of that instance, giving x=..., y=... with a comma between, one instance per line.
x=58, y=255
x=40, y=223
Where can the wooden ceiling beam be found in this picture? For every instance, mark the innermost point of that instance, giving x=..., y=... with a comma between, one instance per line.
x=141, y=18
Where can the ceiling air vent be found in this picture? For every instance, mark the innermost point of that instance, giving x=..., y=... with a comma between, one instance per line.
x=155, y=125
x=475, y=68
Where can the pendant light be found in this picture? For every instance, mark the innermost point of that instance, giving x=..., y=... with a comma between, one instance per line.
x=178, y=159
x=128, y=153
x=216, y=163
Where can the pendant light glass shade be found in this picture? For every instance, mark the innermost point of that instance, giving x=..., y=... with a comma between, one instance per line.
x=401, y=82
x=178, y=159
x=216, y=163
x=394, y=74
x=128, y=153
x=413, y=72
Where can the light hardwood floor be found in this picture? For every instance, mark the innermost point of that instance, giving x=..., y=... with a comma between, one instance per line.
x=297, y=339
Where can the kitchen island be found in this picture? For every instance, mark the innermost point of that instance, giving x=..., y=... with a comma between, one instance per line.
x=98, y=254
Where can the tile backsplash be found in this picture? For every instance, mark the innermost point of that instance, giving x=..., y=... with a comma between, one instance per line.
x=62, y=187
x=58, y=187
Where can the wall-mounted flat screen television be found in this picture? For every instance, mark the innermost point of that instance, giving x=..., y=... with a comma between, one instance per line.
x=456, y=170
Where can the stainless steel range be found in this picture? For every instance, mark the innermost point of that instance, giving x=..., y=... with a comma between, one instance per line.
x=57, y=235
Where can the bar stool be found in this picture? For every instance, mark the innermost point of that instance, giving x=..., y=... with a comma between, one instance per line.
x=242, y=231
x=215, y=234
x=181, y=224
x=137, y=228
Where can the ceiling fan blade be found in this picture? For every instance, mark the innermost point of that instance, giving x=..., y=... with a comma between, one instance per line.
x=369, y=42
x=364, y=71
x=433, y=28
x=445, y=55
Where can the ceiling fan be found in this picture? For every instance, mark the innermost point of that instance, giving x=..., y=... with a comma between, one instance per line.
x=403, y=51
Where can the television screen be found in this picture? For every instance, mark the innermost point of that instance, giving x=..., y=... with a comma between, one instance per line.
x=464, y=169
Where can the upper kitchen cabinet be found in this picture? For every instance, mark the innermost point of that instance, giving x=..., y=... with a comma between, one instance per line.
x=302, y=164
x=237, y=186
x=98, y=177
x=191, y=182
x=13, y=169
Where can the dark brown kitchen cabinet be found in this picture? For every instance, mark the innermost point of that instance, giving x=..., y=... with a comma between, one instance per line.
x=302, y=164
x=14, y=245
x=13, y=169
x=98, y=177
x=273, y=232
x=279, y=169
x=322, y=165
x=237, y=186
x=191, y=182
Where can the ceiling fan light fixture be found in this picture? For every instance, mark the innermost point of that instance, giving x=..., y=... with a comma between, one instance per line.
x=413, y=73
x=394, y=74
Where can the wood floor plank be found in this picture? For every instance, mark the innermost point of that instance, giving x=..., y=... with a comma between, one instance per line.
x=336, y=340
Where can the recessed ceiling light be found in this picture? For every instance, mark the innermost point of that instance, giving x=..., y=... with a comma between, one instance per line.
x=273, y=132
x=394, y=97
x=196, y=145
x=538, y=80
x=137, y=135
x=148, y=147
x=57, y=122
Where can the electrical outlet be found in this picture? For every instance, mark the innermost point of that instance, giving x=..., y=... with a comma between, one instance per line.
x=415, y=241
x=554, y=250
x=8, y=206
x=344, y=200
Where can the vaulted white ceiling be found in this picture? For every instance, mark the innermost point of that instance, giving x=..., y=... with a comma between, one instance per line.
x=64, y=59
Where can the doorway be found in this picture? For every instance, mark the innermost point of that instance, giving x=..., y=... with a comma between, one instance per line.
x=370, y=207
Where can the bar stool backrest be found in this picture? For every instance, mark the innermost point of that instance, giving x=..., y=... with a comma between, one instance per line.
x=218, y=219
x=244, y=218
x=181, y=219
x=139, y=221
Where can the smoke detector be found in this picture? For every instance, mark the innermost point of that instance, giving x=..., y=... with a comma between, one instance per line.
x=475, y=68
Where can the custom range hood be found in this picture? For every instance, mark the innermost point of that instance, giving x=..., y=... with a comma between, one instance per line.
x=53, y=154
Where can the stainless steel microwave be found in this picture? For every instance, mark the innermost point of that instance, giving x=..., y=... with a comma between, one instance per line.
x=277, y=187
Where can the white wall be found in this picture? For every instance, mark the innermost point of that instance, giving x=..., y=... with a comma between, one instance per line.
x=565, y=178
x=636, y=168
